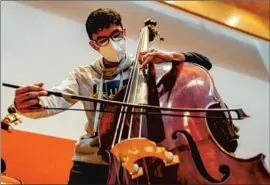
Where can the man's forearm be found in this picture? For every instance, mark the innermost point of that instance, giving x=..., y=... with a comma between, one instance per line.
x=192, y=57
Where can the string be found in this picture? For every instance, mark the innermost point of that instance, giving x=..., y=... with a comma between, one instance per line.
x=144, y=46
x=126, y=97
x=128, y=93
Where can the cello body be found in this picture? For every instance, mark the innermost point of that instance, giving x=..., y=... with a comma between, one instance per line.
x=203, y=160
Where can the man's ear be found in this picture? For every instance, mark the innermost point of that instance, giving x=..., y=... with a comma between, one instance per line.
x=93, y=45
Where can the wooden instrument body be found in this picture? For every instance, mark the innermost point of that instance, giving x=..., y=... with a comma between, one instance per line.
x=203, y=160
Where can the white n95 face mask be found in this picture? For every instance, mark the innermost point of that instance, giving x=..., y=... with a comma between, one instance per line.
x=114, y=51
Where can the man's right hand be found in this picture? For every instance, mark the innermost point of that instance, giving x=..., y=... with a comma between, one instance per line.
x=28, y=96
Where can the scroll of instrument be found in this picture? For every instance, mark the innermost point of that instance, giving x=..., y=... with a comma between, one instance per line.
x=12, y=118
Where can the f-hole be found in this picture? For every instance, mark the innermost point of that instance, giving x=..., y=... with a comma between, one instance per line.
x=223, y=130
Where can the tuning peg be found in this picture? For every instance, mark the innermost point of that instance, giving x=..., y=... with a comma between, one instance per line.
x=154, y=23
x=160, y=38
x=147, y=22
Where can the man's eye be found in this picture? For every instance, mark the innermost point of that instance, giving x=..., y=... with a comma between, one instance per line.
x=101, y=41
x=116, y=35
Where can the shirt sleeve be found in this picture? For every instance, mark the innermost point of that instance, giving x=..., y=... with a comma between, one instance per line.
x=199, y=59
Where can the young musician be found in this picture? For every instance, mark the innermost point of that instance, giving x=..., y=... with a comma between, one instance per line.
x=111, y=71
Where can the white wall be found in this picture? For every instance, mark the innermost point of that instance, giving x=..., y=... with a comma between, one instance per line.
x=37, y=46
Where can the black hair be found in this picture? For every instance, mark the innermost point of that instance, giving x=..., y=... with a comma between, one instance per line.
x=100, y=19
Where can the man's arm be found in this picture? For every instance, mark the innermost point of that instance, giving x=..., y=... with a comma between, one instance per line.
x=158, y=56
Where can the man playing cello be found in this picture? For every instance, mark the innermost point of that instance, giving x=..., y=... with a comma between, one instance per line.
x=106, y=75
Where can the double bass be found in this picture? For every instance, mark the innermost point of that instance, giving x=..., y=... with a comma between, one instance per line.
x=156, y=144
x=168, y=128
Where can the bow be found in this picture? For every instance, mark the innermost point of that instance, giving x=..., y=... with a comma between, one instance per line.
x=239, y=112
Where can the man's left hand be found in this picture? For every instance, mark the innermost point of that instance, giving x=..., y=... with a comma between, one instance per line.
x=157, y=56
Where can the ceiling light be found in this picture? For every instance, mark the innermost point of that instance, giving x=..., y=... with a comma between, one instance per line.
x=170, y=2
x=233, y=20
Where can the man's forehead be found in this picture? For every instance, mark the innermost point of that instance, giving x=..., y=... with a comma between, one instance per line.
x=106, y=32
